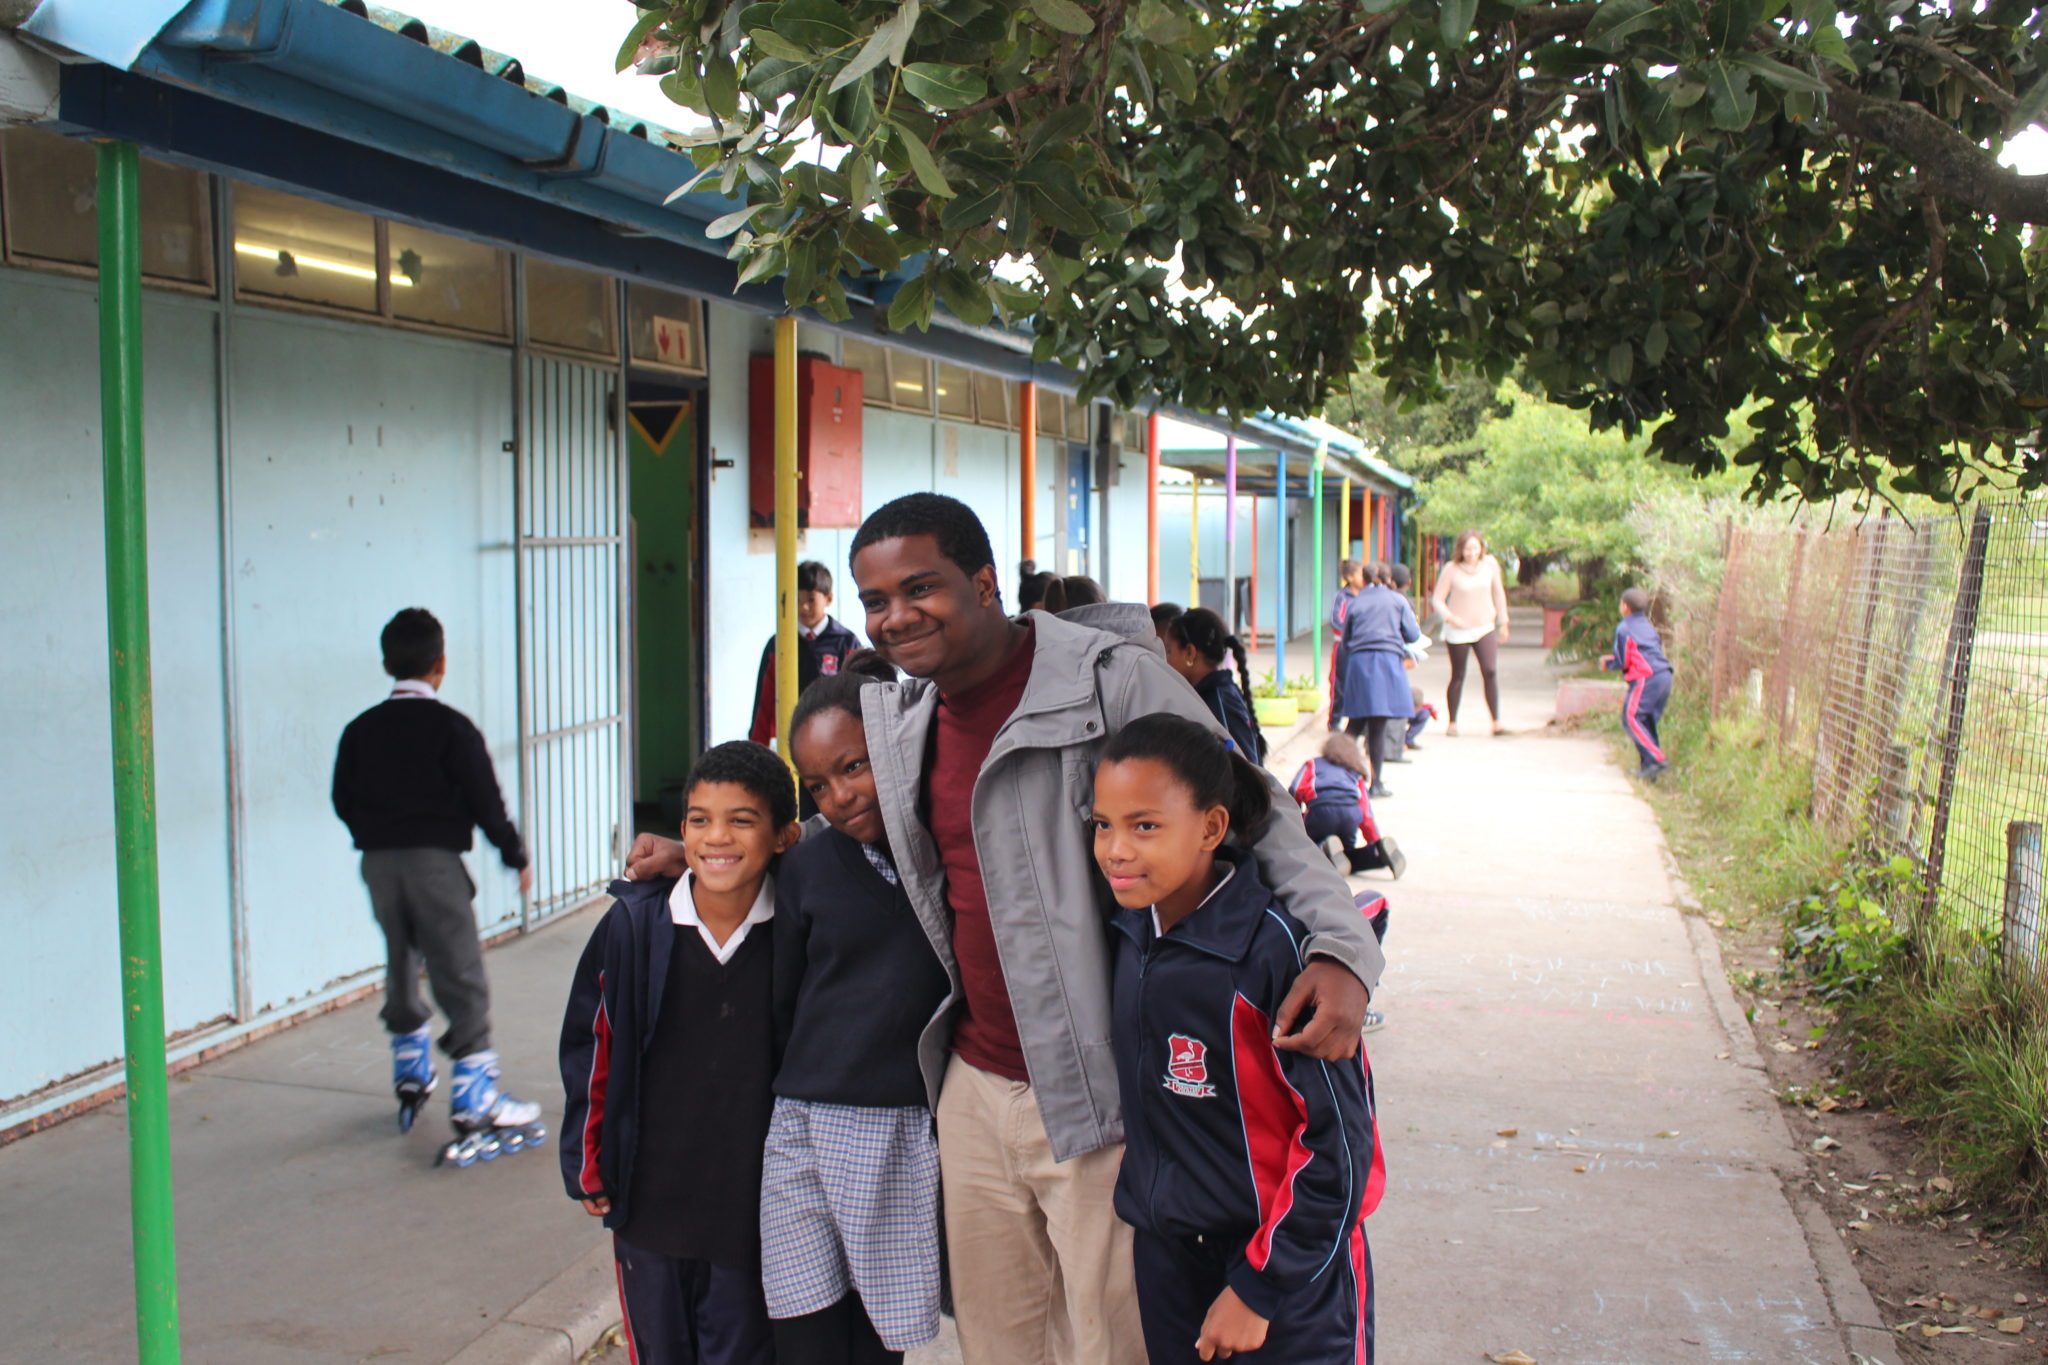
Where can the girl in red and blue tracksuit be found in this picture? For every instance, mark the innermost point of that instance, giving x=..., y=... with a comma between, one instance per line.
x=1337, y=811
x=1248, y=1172
x=1639, y=657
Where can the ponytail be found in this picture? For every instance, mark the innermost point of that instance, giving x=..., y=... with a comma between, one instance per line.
x=1203, y=761
x=1244, y=668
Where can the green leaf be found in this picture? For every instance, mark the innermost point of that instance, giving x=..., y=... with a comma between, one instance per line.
x=872, y=242
x=775, y=45
x=1729, y=97
x=942, y=86
x=817, y=24
x=1178, y=74
x=1779, y=74
x=1616, y=20
x=1381, y=6
x=972, y=209
x=721, y=86
x=912, y=306
x=922, y=165
x=872, y=53
x=1454, y=21
x=642, y=26
x=1064, y=16
x=1059, y=128
x=733, y=222
x=761, y=265
x=1655, y=342
x=963, y=298
x=1547, y=313
x=860, y=179
x=1162, y=22
x=1621, y=362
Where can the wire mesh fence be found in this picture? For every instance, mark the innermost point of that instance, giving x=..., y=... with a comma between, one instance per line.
x=1908, y=660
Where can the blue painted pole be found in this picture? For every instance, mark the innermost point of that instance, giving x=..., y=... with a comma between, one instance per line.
x=1284, y=618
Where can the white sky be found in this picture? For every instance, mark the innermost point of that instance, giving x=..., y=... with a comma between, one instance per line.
x=573, y=44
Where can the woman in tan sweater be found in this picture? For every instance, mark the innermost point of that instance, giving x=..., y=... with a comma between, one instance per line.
x=1473, y=603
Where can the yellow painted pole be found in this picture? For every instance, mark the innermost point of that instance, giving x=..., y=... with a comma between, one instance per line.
x=1344, y=522
x=785, y=531
x=1194, y=544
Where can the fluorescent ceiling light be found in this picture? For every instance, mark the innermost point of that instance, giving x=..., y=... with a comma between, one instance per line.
x=278, y=254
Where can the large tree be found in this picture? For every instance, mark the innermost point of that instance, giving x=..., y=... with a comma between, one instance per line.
x=1649, y=208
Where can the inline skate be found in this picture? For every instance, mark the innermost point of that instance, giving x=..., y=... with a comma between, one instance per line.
x=487, y=1121
x=412, y=1074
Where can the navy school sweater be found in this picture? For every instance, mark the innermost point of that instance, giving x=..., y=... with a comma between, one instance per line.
x=617, y=999
x=856, y=980
x=1226, y=1136
x=1638, y=648
x=413, y=772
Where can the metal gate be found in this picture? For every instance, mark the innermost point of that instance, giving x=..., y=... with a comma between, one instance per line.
x=572, y=703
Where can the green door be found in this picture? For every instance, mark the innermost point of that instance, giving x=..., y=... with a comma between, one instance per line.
x=663, y=443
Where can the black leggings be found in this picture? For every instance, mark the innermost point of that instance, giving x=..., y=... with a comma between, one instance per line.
x=1375, y=729
x=1487, y=647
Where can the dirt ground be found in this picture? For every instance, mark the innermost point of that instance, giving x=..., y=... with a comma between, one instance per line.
x=1951, y=1288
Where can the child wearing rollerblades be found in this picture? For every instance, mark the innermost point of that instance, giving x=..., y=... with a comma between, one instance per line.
x=863, y=992
x=411, y=780
x=1639, y=657
x=1337, y=811
x=1248, y=1171
x=667, y=1061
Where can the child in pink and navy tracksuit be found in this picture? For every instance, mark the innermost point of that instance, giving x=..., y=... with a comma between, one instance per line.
x=1639, y=657
x=1248, y=1172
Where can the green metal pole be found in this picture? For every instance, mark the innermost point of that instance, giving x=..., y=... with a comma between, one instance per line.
x=142, y=982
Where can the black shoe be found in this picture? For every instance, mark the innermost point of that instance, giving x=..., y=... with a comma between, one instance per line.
x=1652, y=771
x=1379, y=790
x=1413, y=745
x=1397, y=861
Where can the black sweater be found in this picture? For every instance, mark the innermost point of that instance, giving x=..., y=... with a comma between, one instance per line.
x=856, y=980
x=413, y=773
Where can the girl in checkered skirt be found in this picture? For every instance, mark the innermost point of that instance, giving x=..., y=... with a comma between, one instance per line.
x=863, y=992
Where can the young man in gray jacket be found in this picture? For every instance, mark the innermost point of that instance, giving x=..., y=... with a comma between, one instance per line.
x=985, y=764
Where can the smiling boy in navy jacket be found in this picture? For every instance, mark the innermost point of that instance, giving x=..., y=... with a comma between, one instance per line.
x=668, y=1060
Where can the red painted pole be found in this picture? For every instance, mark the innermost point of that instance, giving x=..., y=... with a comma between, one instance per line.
x=1152, y=508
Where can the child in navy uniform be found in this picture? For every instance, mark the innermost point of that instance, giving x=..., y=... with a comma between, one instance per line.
x=822, y=644
x=1639, y=656
x=1196, y=643
x=1248, y=1171
x=412, y=778
x=1337, y=810
x=668, y=1059
x=863, y=991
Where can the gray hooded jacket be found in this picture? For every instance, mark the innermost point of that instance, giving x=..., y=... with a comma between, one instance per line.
x=1048, y=904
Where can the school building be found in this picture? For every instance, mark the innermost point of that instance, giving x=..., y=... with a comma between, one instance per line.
x=419, y=331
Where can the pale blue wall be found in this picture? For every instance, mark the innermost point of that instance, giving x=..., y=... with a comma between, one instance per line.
x=60, y=1007
x=368, y=476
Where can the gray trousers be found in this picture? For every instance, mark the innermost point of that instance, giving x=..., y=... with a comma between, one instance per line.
x=422, y=899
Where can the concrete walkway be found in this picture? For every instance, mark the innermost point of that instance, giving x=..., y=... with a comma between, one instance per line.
x=1584, y=1159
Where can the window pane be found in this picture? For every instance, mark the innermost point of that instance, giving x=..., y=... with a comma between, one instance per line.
x=1052, y=413
x=52, y=190
x=292, y=248
x=956, y=392
x=992, y=399
x=665, y=329
x=570, y=308
x=445, y=280
x=910, y=383
x=867, y=357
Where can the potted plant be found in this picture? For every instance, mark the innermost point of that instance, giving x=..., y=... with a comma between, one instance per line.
x=1307, y=693
x=1272, y=704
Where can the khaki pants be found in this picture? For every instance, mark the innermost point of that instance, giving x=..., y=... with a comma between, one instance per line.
x=1041, y=1263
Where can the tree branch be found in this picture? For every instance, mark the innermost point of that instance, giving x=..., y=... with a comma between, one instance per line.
x=1947, y=162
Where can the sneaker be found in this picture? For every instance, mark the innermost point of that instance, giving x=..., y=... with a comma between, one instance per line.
x=1339, y=856
x=1397, y=861
x=1413, y=747
x=1379, y=791
x=1650, y=772
x=1373, y=1020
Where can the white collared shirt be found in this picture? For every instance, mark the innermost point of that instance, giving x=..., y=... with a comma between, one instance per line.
x=414, y=687
x=1229, y=871
x=682, y=909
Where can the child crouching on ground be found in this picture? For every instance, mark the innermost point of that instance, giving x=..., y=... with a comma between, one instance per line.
x=667, y=1059
x=1337, y=812
x=850, y=1179
x=1639, y=656
x=1247, y=1172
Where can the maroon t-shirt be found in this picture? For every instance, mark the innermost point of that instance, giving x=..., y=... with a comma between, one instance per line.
x=962, y=734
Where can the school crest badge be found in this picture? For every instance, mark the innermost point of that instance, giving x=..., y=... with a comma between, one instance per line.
x=828, y=666
x=1187, y=1067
